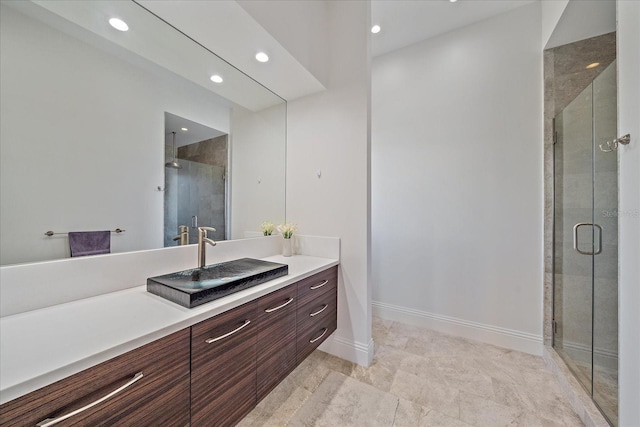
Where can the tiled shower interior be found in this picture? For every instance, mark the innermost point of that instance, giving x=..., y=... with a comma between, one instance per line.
x=586, y=192
x=197, y=189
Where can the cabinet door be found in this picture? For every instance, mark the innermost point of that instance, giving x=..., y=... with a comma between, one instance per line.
x=276, y=338
x=223, y=367
x=153, y=384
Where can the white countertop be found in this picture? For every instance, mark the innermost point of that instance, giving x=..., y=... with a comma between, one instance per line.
x=43, y=346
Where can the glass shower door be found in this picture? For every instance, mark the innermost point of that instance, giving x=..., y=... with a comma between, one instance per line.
x=573, y=266
x=586, y=240
x=605, y=267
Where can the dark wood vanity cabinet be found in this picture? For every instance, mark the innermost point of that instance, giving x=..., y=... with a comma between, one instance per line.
x=252, y=348
x=153, y=384
x=211, y=374
x=223, y=367
x=276, y=338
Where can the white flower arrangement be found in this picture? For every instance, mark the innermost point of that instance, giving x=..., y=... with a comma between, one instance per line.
x=287, y=229
x=267, y=228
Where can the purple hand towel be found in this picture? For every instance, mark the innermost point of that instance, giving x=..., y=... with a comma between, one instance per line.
x=83, y=243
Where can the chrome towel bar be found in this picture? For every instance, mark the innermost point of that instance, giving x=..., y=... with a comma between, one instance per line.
x=51, y=233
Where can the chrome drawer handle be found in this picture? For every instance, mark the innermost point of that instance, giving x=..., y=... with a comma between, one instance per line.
x=320, y=285
x=324, y=331
x=51, y=421
x=319, y=311
x=221, y=337
x=271, y=310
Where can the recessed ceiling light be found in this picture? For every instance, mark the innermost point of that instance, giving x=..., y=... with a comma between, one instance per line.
x=118, y=24
x=592, y=65
x=262, y=57
x=453, y=1
x=185, y=129
x=375, y=29
x=216, y=78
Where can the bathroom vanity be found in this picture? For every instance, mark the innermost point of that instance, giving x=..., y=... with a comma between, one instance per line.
x=206, y=366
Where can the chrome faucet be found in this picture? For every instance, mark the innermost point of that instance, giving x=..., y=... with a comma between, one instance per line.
x=183, y=236
x=202, y=240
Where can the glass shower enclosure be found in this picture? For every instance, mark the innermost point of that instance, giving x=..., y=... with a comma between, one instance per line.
x=586, y=240
x=196, y=186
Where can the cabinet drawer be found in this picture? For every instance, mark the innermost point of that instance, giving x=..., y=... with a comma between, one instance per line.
x=316, y=308
x=313, y=333
x=281, y=303
x=159, y=398
x=223, y=367
x=311, y=287
x=276, y=338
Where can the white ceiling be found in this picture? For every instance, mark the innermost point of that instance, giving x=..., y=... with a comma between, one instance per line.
x=405, y=22
x=225, y=28
x=582, y=20
x=195, y=132
x=151, y=44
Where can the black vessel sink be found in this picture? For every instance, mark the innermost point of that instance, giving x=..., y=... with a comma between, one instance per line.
x=191, y=288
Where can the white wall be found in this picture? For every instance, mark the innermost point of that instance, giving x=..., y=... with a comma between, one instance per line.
x=629, y=220
x=258, y=163
x=328, y=132
x=82, y=141
x=457, y=186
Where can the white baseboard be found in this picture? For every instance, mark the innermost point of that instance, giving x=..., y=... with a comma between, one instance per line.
x=508, y=338
x=350, y=350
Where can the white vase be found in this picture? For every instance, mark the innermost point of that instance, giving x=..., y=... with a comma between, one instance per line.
x=287, y=247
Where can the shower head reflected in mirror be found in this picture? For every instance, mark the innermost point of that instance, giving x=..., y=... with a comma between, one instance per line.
x=174, y=163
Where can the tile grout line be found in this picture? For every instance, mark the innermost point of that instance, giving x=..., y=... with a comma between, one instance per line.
x=395, y=413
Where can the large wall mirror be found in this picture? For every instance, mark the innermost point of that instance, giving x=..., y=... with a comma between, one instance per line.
x=91, y=116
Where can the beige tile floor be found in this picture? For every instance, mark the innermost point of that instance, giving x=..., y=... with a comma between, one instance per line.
x=418, y=378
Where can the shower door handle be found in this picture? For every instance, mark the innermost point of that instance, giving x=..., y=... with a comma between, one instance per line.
x=575, y=238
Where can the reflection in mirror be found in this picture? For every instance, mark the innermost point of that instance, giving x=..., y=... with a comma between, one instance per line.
x=196, y=161
x=83, y=124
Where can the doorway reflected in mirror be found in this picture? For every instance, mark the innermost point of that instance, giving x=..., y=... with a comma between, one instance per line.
x=196, y=192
